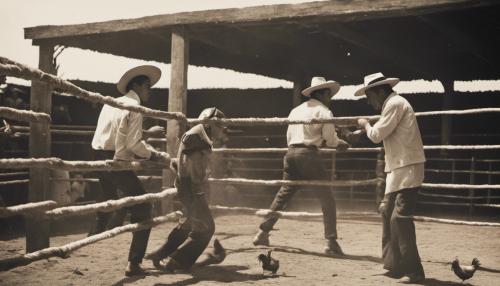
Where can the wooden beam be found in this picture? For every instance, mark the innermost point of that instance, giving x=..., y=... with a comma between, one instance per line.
x=316, y=11
x=177, y=98
x=37, y=229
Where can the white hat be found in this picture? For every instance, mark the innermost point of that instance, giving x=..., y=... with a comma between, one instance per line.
x=152, y=72
x=376, y=79
x=318, y=82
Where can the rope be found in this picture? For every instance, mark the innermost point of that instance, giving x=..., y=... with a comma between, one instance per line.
x=65, y=250
x=14, y=182
x=12, y=174
x=339, y=121
x=299, y=215
x=26, y=209
x=459, y=186
x=23, y=115
x=452, y=221
x=460, y=204
x=456, y=197
x=110, y=205
x=355, y=150
x=57, y=163
x=12, y=68
x=253, y=182
x=283, y=150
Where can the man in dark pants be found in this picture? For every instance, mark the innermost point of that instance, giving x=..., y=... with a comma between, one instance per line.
x=404, y=165
x=118, y=136
x=303, y=161
x=187, y=241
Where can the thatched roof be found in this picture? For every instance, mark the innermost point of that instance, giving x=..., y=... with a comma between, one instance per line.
x=341, y=39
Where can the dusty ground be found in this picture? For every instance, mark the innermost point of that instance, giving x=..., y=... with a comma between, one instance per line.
x=297, y=244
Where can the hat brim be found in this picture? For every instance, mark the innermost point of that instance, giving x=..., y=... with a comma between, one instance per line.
x=152, y=72
x=332, y=85
x=392, y=81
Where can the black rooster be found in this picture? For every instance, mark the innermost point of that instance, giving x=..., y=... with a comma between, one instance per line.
x=269, y=263
x=465, y=272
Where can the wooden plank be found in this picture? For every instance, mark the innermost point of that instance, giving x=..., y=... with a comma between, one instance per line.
x=37, y=230
x=177, y=99
x=316, y=11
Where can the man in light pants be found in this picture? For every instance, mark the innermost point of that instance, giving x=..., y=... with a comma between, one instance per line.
x=404, y=165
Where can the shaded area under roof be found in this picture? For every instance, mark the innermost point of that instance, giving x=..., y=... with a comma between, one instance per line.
x=340, y=39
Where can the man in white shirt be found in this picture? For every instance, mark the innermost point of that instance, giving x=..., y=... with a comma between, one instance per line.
x=404, y=165
x=119, y=136
x=303, y=161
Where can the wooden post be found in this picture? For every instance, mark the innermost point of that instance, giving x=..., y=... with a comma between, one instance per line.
x=446, y=122
x=298, y=86
x=38, y=230
x=472, y=181
x=488, y=196
x=177, y=98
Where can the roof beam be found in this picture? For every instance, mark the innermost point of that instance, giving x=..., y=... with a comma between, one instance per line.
x=338, y=10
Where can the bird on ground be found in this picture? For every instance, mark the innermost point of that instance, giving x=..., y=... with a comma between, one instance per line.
x=465, y=272
x=268, y=263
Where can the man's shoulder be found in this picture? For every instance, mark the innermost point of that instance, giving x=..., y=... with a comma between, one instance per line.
x=194, y=138
x=397, y=100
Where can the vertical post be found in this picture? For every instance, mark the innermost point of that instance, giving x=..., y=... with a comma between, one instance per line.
x=471, y=181
x=177, y=98
x=37, y=229
x=446, y=123
x=298, y=86
x=453, y=167
x=488, y=196
x=380, y=173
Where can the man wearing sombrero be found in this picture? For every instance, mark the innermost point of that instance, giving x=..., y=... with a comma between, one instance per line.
x=118, y=136
x=303, y=161
x=404, y=165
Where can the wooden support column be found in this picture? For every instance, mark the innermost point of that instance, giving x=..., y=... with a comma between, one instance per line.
x=298, y=86
x=446, y=121
x=177, y=99
x=38, y=230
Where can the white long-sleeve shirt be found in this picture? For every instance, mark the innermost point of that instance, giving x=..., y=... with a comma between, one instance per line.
x=398, y=128
x=121, y=131
x=311, y=134
x=404, y=152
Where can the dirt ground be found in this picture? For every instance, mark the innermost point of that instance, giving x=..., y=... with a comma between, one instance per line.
x=297, y=244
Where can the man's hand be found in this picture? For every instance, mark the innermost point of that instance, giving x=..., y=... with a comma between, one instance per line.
x=155, y=131
x=342, y=146
x=159, y=156
x=382, y=206
x=363, y=122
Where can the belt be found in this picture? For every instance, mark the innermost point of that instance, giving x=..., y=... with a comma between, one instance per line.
x=303, y=146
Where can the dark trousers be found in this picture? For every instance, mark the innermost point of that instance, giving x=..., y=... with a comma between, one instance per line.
x=187, y=241
x=305, y=164
x=129, y=185
x=399, y=243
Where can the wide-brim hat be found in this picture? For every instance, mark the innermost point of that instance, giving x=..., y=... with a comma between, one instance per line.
x=152, y=72
x=318, y=83
x=376, y=79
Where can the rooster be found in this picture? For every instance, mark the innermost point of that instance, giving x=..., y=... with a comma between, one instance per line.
x=269, y=263
x=465, y=272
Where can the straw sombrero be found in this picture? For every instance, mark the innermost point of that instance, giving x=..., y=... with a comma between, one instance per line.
x=152, y=72
x=318, y=82
x=376, y=79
